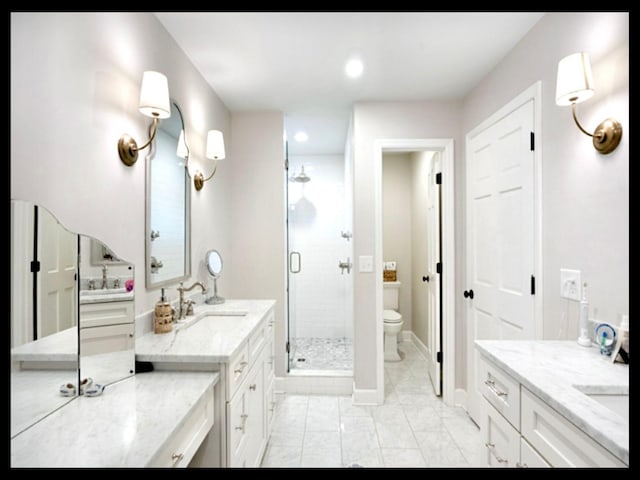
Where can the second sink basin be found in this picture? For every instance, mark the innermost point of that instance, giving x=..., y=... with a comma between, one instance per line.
x=223, y=320
x=614, y=398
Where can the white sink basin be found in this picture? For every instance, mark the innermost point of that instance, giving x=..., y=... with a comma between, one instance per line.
x=614, y=398
x=103, y=291
x=223, y=320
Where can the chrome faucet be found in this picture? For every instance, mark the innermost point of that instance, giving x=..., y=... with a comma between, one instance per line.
x=104, y=275
x=183, y=309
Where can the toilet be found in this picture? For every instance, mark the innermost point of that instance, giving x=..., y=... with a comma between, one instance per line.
x=392, y=321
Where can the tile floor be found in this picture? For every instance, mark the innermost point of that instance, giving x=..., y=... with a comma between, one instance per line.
x=314, y=353
x=413, y=429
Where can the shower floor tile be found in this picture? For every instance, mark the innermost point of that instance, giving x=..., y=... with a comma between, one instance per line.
x=314, y=353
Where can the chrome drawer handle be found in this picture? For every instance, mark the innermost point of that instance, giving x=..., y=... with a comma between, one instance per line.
x=242, y=367
x=176, y=457
x=244, y=419
x=252, y=386
x=491, y=447
x=492, y=386
x=521, y=465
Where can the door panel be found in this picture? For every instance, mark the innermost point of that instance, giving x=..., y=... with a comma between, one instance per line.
x=500, y=236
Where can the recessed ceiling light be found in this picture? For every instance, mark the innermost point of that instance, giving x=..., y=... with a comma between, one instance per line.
x=354, y=67
x=301, y=137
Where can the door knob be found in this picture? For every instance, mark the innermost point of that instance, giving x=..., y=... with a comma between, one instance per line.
x=468, y=294
x=425, y=279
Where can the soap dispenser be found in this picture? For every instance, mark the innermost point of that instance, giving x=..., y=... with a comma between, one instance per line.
x=162, y=315
x=584, y=339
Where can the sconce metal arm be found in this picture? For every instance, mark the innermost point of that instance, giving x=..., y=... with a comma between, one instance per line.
x=575, y=119
x=198, y=179
x=128, y=148
x=606, y=136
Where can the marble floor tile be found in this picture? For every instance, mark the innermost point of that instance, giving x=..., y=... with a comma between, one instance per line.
x=323, y=414
x=423, y=418
x=392, y=427
x=439, y=449
x=284, y=435
x=360, y=442
x=403, y=458
x=278, y=456
x=348, y=409
x=321, y=449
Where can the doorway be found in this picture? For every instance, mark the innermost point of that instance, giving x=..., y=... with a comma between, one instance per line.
x=440, y=348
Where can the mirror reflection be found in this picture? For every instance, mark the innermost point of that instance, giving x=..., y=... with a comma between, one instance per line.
x=44, y=314
x=64, y=288
x=168, y=205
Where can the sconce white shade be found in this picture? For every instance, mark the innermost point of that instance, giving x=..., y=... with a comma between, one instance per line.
x=154, y=95
x=182, y=151
x=574, y=83
x=215, y=145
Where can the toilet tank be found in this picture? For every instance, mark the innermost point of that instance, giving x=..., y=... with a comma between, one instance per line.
x=390, y=295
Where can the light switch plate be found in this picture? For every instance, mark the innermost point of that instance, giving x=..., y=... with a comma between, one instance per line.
x=570, y=284
x=365, y=263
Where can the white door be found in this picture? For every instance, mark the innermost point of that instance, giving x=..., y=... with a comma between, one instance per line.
x=58, y=255
x=433, y=278
x=500, y=237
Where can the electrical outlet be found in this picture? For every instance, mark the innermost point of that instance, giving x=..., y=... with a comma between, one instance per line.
x=570, y=284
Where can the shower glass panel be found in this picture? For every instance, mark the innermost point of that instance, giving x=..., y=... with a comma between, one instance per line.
x=320, y=291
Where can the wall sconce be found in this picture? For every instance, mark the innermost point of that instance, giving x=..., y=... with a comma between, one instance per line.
x=215, y=151
x=154, y=103
x=574, y=85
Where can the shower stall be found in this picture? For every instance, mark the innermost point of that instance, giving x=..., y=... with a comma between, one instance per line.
x=320, y=265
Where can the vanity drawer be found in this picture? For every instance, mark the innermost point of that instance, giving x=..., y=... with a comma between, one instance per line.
x=106, y=313
x=237, y=415
x=501, y=390
x=183, y=444
x=238, y=369
x=256, y=342
x=559, y=441
x=501, y=440
x=529, y=458
x=111, y=338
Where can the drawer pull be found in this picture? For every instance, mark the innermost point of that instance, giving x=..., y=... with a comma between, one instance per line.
x=491, y=447
x=244, y=420
x=242, y=367
x=521, y=465
x=252, y=386
x=176, y=457
x=492, y=386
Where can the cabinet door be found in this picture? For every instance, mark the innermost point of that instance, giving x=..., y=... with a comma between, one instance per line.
x=111, y=338
x=237, y=427
x=255, y=421
x=501, y=440
x=529, y=458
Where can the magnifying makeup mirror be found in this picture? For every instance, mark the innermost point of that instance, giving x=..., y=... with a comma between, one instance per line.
x=213, y=261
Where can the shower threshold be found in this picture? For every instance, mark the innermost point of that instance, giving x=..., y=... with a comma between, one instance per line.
x=320, y=373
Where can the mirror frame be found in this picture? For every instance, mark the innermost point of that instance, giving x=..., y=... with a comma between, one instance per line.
x=208, y=263
x=149, y=284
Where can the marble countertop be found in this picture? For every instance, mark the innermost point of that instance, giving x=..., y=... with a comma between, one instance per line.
x=57, y=347
x=124, y=427
x=557, y=371
x=212, y=335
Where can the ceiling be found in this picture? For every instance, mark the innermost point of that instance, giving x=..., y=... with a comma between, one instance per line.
x=294, y=61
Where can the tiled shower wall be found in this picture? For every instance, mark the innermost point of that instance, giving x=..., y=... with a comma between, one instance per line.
x=317, y=216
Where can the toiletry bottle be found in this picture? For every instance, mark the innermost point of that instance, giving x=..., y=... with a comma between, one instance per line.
x=583, y=339
x=621, y=349
x=162, y=315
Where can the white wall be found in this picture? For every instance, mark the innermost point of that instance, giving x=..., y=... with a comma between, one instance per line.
x=385, y=120
x=257, y=266
x=397, y=227
x=585, y=211
x=317, y=216
x=75, y=82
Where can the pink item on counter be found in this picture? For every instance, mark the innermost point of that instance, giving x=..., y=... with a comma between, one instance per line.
x=128, y=285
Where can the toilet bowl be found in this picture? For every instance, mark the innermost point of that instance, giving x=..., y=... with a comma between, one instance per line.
x=392, y=322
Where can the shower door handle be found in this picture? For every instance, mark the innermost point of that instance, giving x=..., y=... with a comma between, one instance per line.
x=291, y=269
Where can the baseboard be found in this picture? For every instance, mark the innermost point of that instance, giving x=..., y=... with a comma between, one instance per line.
x=367, y=396
x=315, y=385
x=460, y=398
x=422, y=348
x=407, y=335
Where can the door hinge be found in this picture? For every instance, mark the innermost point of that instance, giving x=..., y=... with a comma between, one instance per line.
x=533, y=285
x=438, y=178
x=288, y=347
x=438, y=267
x=75, y=277
x=35, y=266
x=286, y=164
x=439, y=357
x=533, y=141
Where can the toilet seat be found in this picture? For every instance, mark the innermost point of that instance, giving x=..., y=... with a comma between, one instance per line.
x=391, y=316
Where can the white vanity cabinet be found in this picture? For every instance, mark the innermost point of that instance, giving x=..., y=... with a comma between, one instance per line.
x=250, y=397
x=106, y=327
x=519, y=429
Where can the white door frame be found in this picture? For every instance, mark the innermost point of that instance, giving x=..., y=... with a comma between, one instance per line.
x=445, y=147
x=534, y=92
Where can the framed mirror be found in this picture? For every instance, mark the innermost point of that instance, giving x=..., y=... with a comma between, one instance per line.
x=213, y=261
x=44, y=314
x=168, y=230
x=70, y=319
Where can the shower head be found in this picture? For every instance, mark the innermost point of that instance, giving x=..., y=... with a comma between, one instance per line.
x=301, y=177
